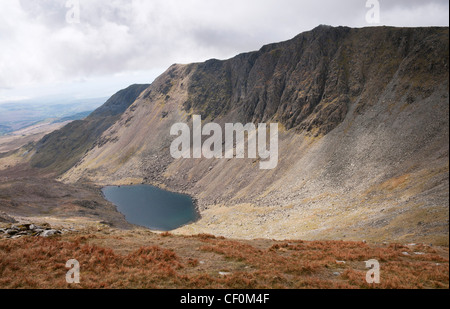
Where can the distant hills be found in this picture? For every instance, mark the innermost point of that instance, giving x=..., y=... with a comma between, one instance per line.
x=78, y=116
x=4, y=129
x=19, y=115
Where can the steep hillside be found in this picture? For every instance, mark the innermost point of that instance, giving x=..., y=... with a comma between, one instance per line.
x=363, y=146
x=62, y=149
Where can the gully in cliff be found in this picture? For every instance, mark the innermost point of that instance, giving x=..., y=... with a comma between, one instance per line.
x=212, y=147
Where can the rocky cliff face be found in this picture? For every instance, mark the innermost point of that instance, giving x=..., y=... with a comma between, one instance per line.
x=363, y=148
x=309, y=82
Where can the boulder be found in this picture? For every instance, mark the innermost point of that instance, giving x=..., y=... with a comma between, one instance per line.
x=46, y=226
x=23, y=227
x=12, y=231
x=49, y=233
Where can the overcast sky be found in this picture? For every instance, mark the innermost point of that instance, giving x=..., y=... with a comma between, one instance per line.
x=121, y=42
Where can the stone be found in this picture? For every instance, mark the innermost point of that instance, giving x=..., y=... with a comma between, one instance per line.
x=23, y=227
x=46, y=226
x=12, y=232
x=49, y=233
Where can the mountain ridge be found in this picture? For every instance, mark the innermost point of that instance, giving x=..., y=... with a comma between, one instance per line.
x=363, y=145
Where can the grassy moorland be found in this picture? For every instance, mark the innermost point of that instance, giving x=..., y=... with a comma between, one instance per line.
x=141, y=259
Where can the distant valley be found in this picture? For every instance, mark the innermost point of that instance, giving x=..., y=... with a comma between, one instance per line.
x=28, y=122
x=18, y=115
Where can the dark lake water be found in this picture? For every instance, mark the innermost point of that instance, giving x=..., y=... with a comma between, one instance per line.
x=152, y=207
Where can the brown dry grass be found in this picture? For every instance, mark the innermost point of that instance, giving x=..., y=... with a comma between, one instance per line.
x=167, y=261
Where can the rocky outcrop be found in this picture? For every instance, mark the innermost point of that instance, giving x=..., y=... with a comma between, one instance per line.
x=18, y=231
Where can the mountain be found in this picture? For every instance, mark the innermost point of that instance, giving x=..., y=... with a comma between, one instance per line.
x=363, y=139
x=77, y=116
x=61, y=149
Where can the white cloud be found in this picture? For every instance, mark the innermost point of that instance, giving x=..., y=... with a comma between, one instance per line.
x=123, y=36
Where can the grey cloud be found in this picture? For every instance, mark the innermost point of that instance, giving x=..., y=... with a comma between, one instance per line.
x=117, y=36
x=388, y=4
